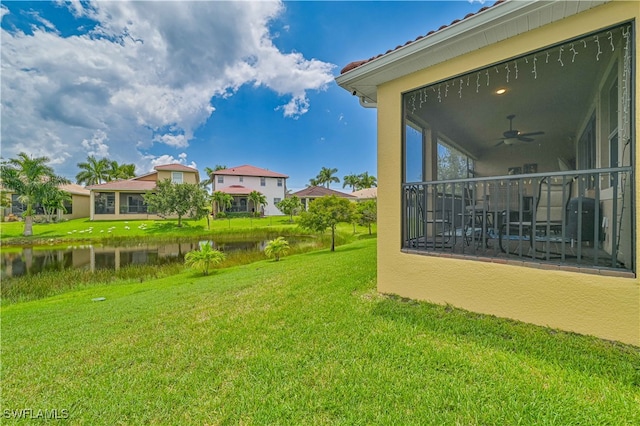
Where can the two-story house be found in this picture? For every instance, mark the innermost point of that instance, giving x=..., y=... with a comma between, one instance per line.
x=240, y=181
x=123, y=199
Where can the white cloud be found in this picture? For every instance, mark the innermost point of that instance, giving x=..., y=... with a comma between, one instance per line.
x=144, y=75
x=151, y=161
x=96, y=146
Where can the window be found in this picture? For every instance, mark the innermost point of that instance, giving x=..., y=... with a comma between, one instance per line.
x=68, y=207
x=414, y=154
x=279, y=181
x=176, y=177
x=276, y=200
x=105, y=203
x=17, y=208
x=220, y=179
x=263, y=181
x=240, y=179
x=133, y=203
x=613, y=124
x=587, y=146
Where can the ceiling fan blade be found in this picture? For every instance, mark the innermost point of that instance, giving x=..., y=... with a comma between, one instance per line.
x=531, y=134
x=525, y=139
x=499, y=143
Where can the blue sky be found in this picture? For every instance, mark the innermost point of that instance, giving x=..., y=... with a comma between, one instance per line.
x=199, y=83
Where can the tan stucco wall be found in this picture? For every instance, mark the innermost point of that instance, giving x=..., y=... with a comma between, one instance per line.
x=80, y=207
x=607, y=307
x=187, y=177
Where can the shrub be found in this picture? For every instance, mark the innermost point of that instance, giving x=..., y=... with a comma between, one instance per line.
x=276, y=248
x=204, y=258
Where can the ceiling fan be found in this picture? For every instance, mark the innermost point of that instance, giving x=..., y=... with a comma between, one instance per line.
x=511, y=136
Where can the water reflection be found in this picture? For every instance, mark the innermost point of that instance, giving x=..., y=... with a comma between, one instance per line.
x=34, y=260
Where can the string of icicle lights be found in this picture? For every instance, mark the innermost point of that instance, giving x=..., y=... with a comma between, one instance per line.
x=565, y=55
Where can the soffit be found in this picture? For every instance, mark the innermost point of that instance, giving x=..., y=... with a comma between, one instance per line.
x=491, y=25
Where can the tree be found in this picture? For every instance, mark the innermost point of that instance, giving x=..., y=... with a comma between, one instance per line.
x=326, y=177
x=209, y=172
x=314, y=182
x=366, y=181
x=28, y=177
x=367, y=213
x=93, y=171
x=352, y=181
x=52, y=200
x=258, y=200
x=326, y=212
x=361, y=181
x=222, y=201
x=120, y=171
x=204, y=258
x=178, y=199
x=290, y=205
x=276, y=248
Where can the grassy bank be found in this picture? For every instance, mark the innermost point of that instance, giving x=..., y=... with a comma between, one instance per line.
x=302, y=341
x=118, y=230
x=48, y=283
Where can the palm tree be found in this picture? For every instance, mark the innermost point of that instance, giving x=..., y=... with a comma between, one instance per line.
x=351, y=180
x=258, y=200
x=53, y=200
x=276, y=248
x=314, y=182
x=204, y=258
x=28, y=177
x=209, y=172
x=326, y=177
x=366, y=181
x=120, y=171
x=222, y=201
x=93, y=171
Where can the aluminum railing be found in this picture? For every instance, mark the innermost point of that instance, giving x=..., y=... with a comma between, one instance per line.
x=573, y=217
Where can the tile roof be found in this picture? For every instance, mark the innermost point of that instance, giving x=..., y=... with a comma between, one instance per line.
x=248, y=170
x=73, y=188
x=365, y=194
x=235, y=190
x=355, y=64
x=175, y=168
x=319, y=191
x=125, y=185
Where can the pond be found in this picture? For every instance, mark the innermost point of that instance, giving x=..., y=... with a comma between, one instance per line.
x=33, y=260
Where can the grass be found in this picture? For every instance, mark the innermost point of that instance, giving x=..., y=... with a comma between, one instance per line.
x=117, y=230
x=306, y=340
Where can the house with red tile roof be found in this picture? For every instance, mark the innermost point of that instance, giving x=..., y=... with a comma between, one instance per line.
x=240, y=181
x=123, y=199
x=507, y=171
x=310, y=193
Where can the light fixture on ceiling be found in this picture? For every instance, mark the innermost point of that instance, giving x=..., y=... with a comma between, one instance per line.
x=501, y=91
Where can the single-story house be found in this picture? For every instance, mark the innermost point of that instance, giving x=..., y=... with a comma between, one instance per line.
x=122, y=199
x=240, y=181
x=310, y=193
x=77, y=207
x=366, y=194
x=507, y=170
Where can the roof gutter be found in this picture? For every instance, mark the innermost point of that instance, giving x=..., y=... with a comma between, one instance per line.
x=364, y=103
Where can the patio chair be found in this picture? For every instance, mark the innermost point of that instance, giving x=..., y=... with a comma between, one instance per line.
x=476, y=215
x=547, y=223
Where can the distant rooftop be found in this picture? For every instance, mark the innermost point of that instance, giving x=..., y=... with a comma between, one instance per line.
x=248, y=170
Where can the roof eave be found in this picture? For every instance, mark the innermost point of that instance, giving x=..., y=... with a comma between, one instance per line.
x=454, y=40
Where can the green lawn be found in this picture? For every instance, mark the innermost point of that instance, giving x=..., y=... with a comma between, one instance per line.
x=85, y=229
x=306, y=340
